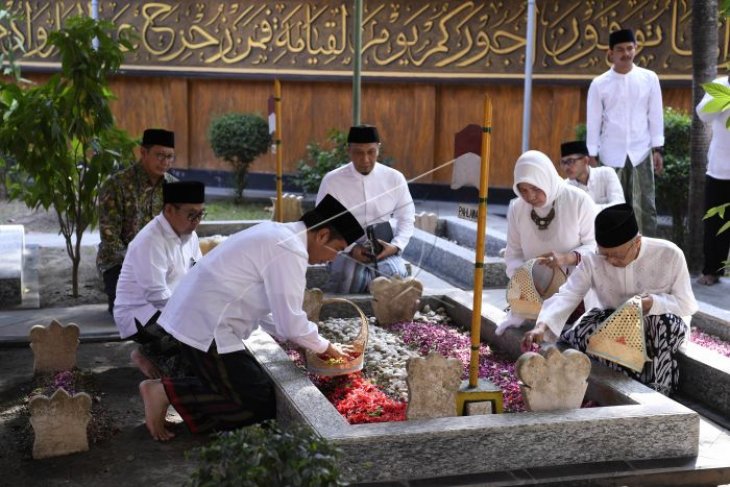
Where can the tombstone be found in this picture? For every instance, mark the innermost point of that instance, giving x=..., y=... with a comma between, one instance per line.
x=59, y=423
x=433, y=383
x=395, y=299
x=54, y=347
x=291, y=208
x=555, y=382
x=312, y=303
x=427, y=222
x=207, y=244
x=12, y=243
x=467, y=157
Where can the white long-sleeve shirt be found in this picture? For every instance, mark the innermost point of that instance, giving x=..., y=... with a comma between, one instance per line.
x=157, y=259
x=603, y=187
x=254, y=278
x=377, y=197
x=718, y=155
x=660, y=270
x=571, y=229
x=624, y=116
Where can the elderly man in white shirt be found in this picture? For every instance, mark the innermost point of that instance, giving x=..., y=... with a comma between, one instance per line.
x=625, y=126
x=375, y=194
x=717, y=189
x=626, y=265
x=601, y=183
x=256, y=277
x=157, y=259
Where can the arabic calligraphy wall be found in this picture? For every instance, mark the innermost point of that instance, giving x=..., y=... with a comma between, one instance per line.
x=426, y=67
x=407, y=38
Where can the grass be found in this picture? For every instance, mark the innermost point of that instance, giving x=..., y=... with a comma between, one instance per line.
x=228, y=210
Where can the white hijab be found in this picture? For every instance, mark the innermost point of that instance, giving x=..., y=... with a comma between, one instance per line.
x=535, y=168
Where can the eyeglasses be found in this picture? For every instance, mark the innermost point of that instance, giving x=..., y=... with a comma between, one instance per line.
x=162, y=157
x=617, y=258
x=569, y=161
x=193, y=216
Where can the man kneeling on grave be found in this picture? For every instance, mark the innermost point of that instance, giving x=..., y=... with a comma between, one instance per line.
x=645, y=302
x=157, y=259
x=255, y=278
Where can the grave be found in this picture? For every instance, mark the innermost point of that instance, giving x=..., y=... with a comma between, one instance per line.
x=633, y=423
x=12, y=244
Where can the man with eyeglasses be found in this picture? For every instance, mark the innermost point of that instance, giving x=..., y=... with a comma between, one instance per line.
x=255, y=278
x=626, y=265
x=601, y=183
x=128, y=200
x=157, y=259
x=625, y=126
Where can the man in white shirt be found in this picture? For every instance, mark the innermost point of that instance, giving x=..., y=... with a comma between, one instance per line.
x=626, y=265
x=157, y=258
x=374, y=193
x=717, y=189
x=601, y=183
x=256, y=277
x=625, y=126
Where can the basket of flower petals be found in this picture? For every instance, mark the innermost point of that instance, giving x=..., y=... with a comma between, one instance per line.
x=322, y=364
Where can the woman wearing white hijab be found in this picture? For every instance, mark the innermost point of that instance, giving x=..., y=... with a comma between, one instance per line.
x=549, y=219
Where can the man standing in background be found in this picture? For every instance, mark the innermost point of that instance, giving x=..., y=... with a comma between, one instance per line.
x=625, y=126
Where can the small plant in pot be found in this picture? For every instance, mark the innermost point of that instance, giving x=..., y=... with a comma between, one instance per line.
x=239, y=138
x=267, y=454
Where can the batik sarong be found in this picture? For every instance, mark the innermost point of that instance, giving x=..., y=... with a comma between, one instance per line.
x=227, y=391
x=664, y=334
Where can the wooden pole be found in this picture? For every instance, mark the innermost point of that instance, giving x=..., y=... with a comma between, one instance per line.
x=476, y=318
x=278, y=210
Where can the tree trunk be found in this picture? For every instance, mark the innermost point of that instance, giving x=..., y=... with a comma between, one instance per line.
x=704, y=69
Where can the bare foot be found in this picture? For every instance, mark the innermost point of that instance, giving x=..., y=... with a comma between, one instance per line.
x=155, y=409
x=145, y=365
x=708, y=279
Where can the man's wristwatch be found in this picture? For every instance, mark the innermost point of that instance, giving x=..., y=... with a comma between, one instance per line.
x=660, y=150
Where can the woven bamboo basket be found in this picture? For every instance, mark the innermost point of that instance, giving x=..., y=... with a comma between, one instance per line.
x=620, y=338
x=328, y=367
x=530, y=285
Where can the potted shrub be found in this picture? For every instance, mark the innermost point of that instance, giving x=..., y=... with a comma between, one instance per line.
x=239, y=138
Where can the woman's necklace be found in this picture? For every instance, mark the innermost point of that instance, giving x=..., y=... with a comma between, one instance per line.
x=543, y=223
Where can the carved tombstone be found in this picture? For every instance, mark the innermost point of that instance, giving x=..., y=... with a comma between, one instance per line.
x=291, y=208
x=432, y=386
x=395, y=299
x=427, y=222
x=312, y=303
x=554, y=382
x=207, y=244
x=54, y=347
x=59, y=423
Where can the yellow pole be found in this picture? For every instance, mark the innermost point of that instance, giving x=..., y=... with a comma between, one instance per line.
x=476, y=318
x=277, y=142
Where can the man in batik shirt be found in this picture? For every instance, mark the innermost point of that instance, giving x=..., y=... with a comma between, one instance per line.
x=130, y=199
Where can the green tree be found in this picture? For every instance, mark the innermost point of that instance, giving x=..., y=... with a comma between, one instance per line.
x=239, y=138
x=62, y=133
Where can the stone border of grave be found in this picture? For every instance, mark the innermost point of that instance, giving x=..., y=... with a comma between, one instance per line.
x=455, y=263
x=635, y=422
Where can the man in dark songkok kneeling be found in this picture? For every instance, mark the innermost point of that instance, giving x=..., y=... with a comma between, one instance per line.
x=626, y=265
